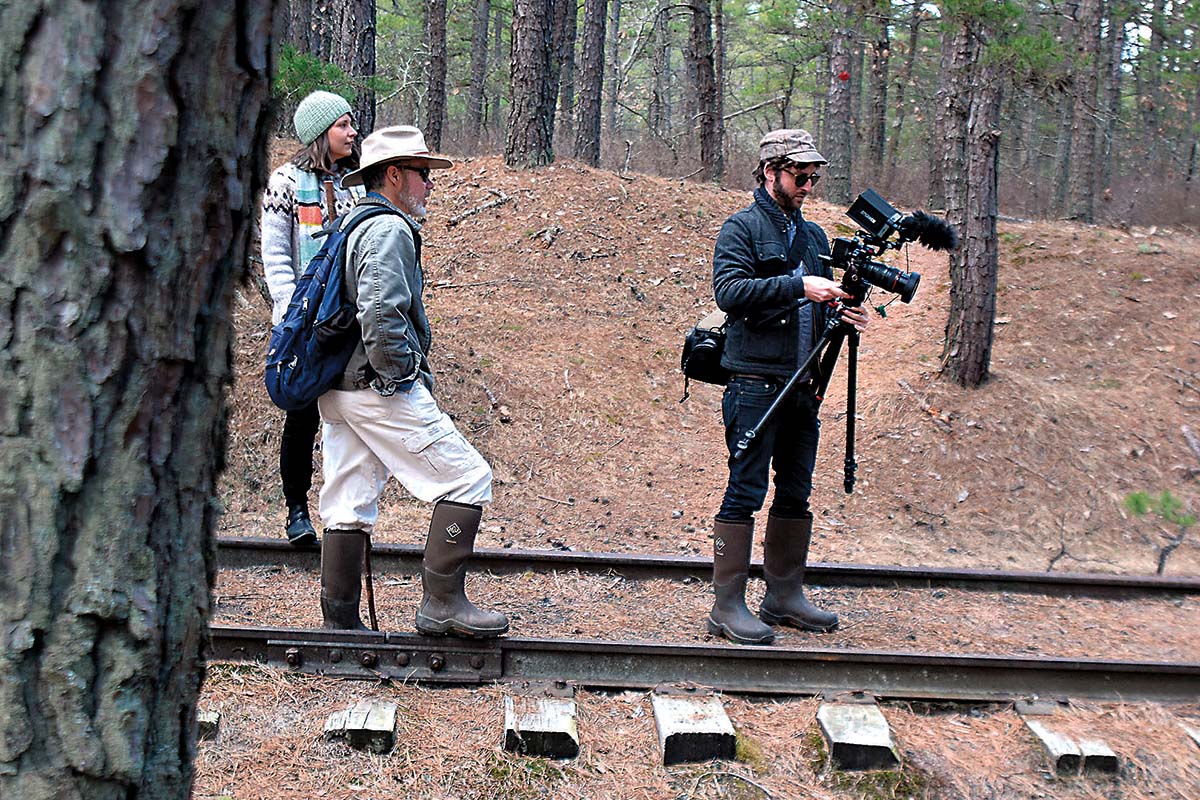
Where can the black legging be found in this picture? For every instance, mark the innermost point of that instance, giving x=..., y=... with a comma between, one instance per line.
x=296, y=453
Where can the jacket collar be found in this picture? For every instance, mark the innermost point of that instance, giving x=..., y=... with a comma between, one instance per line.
x=376, y=199
x=763, y=199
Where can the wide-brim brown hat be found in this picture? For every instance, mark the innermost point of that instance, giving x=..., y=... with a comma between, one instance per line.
x=402, y=143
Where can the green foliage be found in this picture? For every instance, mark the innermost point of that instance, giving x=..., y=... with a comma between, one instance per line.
x=300, y=74
x=904, y=783
x=524, y=776
x=1166, y=505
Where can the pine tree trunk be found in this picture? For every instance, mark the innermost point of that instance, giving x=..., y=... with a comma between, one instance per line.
x=973, y=267
x=564, y=49
x=701, y=45
x=718, y=172
x=614, y=66
x=342, y=34
x=659, y=113
x=530, y=140
x=1083, y=126
x=498, y=59
x=876, y=121
x=1117, y=17
x=479, y=65
x=910, y=58
x=435, y=88
x=838, y=134
x=591, y=84
x=1150, y=68
x=126, y=218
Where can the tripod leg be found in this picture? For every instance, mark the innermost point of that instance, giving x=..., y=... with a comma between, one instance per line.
x=851, y=466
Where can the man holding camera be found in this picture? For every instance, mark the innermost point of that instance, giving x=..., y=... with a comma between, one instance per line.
x=382, y=419
x=766, y=264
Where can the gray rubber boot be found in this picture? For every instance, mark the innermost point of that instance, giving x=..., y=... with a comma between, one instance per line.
x=445, y=608
x=785, y=554
x=341, y=578
x=731, y=566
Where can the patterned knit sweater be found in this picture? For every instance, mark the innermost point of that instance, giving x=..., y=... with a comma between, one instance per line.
x=293, y=209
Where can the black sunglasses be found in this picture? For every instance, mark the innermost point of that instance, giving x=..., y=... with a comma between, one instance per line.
x=422, y=171
x=815, y=178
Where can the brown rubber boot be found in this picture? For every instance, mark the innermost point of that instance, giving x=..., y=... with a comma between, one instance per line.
x=785, y=553
x=341, y=578
x=445, y=608
x=731, y=566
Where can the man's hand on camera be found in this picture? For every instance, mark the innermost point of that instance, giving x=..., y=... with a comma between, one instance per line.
x=856, y=316
x=822, y=290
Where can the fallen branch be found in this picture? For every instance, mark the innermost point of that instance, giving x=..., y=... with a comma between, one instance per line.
x=500, y=200
x=928, y=409
x=448, y=285
x=570, y=501
x=1049, y=482
x=1192, y=441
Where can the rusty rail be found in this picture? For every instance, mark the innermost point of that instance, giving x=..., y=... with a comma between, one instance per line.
x=752, y=670
x=241, y=552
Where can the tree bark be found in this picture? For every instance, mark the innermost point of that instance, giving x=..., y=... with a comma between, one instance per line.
x=905, y=78
x=1083, y=125
x=614, y=65
x=591, y=85
x=435, y=88
x=1150, y=68
x=342, y=34
x=479, y=65
x=701, y=45
x=971, y=116
x=838, y=134
x=530, y=140
x=1117, y=18
x=718, y=172
x=566, y=19
x=659, y=113
x=877, y=89
x=125, y=217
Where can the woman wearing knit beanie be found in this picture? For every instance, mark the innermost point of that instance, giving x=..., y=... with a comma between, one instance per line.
x=301, y=197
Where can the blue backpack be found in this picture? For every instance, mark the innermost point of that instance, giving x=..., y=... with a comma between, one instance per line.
x=312, y=344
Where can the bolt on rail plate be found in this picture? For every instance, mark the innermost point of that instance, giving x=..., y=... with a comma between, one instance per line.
x=414, y=658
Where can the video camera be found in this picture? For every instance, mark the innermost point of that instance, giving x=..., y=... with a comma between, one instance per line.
x=879, y=222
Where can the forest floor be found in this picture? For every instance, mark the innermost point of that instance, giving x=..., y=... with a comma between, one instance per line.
x=558, y=317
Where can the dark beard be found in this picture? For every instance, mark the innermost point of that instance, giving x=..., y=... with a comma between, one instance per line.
x=784, y=202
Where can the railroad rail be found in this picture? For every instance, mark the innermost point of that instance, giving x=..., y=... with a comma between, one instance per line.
x=752, y=670
x=247, y=551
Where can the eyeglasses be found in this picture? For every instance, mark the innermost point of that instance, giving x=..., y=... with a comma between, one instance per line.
x=422, y=171
x=814, y=179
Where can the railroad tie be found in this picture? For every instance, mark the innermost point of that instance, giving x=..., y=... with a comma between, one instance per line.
x=1192, y=732
x=857, y=733
x=539, y=720
x=692, y=725
x=1069, y=755
x=210, y=724
x=366, y=725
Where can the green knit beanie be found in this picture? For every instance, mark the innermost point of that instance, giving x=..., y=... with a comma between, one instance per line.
x=316, y=113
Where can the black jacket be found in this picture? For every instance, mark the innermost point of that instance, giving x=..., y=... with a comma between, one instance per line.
x=754, y=286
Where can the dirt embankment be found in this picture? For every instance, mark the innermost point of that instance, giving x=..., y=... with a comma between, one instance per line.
x=558, y=317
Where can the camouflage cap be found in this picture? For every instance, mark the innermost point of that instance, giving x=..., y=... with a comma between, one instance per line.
x=794, y=144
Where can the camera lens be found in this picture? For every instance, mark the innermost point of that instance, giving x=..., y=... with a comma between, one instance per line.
x=891, y=279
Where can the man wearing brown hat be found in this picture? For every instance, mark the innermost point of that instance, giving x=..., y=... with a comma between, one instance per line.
x=382, y=419
x=770, y=281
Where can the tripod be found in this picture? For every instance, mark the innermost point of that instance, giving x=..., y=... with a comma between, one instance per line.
x=824, y=354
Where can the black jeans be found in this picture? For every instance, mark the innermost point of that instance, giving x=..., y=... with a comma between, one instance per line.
x=788, y=442
x=296, y=453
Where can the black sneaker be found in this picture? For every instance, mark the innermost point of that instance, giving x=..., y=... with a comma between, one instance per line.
x=299, y=528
